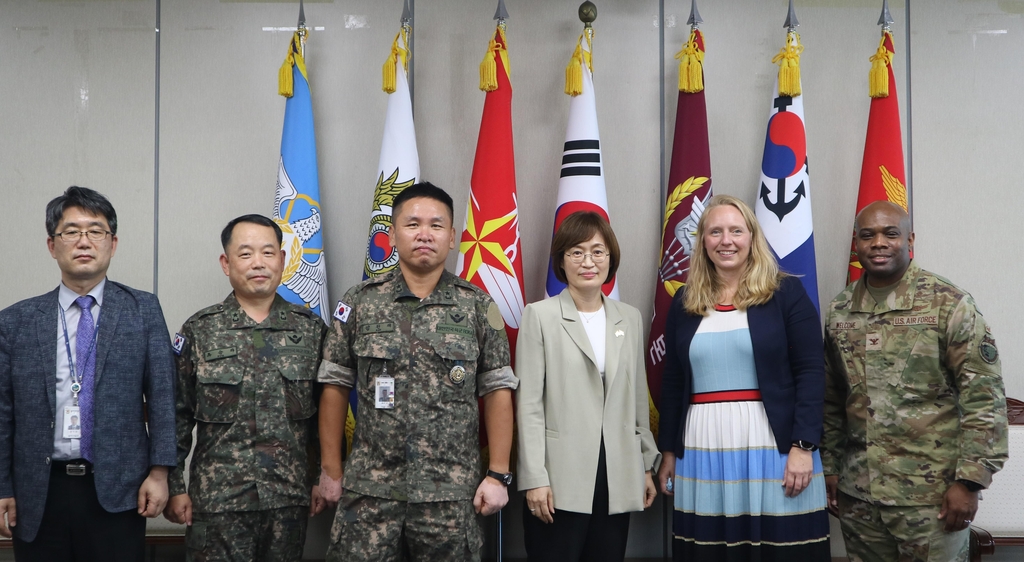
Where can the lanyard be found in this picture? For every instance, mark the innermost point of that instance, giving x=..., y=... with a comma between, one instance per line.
x=76, y=382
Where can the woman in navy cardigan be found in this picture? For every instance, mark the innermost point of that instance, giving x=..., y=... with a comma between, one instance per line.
x=742, y=396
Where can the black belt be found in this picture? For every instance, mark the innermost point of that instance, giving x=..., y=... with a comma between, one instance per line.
x=77, y=467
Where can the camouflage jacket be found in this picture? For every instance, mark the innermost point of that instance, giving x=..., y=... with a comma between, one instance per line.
x=249, y=390
x=443, y=352
x=914, y=397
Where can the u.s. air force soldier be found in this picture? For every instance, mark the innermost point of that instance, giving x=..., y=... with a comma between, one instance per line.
x=418, y=345
x=915, y=415
x=246, y=381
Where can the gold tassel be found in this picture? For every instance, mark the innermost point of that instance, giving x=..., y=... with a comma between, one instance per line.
x=574, y=72
x=285, y=81
x=488, y=69
x=691, y=66
x=878, y=78
x=788, y=60
x=390, y=67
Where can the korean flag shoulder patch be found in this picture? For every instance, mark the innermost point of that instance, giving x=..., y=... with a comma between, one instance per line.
x=178, y=343
x=341, y=312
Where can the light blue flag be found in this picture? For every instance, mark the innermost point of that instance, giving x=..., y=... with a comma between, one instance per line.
x=297, y=204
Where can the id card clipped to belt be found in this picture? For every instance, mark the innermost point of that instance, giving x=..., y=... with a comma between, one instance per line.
x=384, y=390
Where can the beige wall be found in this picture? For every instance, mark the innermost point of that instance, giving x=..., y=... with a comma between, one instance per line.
x=78, y=105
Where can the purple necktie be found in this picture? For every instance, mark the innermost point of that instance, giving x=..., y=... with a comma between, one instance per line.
x=85, y=370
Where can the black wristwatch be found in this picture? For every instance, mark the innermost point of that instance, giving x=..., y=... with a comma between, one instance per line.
x=505, y=479
x=971, y=485
x=805, y=445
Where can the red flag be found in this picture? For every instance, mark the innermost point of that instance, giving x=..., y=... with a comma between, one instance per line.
x=490, y=254
x=882, y=176
x=689, y=188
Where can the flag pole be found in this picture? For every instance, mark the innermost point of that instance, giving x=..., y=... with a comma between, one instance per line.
x=500, y=14
x=301, y=28
x=407, y=28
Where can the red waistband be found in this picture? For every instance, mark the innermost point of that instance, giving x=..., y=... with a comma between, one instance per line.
x=726, y=396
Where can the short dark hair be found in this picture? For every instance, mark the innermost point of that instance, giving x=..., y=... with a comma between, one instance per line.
x=423, y=189
x=576, y=229
x=225, y=235
x=84, y=198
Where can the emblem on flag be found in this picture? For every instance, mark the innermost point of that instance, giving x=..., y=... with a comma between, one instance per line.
x=305, y=278
x=381, y=257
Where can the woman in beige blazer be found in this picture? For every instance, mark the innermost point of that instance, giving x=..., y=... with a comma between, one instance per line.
x=586, y=453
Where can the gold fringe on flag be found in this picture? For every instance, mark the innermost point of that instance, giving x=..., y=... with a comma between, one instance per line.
x=574, y=71
x=878, y=78
x=691, y=66
x=788, y=60
x=285, y=82
x=489, y=68
x=391, y=64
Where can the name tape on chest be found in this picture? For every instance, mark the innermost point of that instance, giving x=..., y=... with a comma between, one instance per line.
x=928, y=320
x=220, y=353
x=923, y=320
x=377, y=328
x=455, y=329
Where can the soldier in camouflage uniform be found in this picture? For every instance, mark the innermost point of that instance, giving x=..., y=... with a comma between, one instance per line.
x=246, y=382
x=915, y=415
x=419, y=346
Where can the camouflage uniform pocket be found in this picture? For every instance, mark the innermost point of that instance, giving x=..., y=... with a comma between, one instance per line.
x=218, y=390
x=195, y=536
x=900, y=356
x=373, y=352
x=298, y=388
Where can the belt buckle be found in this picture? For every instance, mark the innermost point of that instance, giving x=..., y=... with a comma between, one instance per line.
x=76, y=469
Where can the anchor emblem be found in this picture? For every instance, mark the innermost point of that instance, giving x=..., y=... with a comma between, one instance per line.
x=780, y=206
x=785, y=153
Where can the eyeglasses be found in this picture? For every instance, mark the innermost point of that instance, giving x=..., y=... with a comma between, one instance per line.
x=577, y=256
x=71, y=236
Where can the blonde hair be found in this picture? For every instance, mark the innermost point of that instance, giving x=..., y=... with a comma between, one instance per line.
x=760, y=278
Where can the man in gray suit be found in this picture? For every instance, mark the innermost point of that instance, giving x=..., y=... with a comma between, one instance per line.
x=98, y=351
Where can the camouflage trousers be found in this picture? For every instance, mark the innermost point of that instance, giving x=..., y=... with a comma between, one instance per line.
x=875, y=533
x=375, y=529
x=271, y=535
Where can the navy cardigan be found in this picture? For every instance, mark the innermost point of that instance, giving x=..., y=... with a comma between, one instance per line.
x=788, y=357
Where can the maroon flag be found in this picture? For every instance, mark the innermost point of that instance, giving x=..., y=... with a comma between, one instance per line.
x=689, y=188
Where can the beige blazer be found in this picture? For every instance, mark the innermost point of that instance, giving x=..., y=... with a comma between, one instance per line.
x=564, y=407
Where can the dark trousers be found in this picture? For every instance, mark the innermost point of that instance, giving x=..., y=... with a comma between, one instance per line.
x=573, y=537
x=76, y=528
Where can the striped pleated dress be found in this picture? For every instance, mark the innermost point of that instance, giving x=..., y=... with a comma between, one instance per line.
x=729, y=500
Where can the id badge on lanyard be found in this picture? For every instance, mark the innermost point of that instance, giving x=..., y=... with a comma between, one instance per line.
x=384, y=390
x=72, y=422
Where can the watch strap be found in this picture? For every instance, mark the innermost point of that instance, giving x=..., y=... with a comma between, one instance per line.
x=505, y=478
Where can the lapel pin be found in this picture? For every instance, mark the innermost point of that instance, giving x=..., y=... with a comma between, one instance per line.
x=619, y=333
